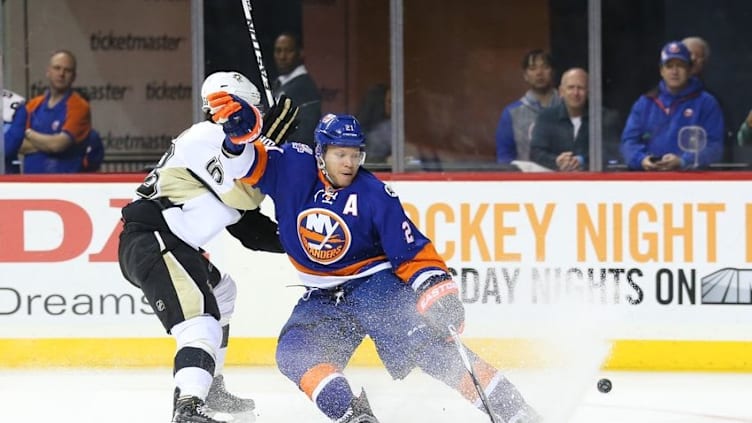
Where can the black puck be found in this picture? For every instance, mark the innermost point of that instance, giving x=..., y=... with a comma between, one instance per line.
x=604, y=385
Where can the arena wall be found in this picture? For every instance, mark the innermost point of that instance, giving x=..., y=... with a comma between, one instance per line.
x=659, y=268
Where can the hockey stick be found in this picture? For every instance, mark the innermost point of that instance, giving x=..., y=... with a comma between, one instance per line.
x=469, y=367
x=257, y=51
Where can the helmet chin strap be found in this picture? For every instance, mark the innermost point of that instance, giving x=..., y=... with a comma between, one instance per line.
x=322, y=167
x=321, y=164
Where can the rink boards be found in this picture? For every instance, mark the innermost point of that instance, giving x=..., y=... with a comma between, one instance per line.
x=659, y=267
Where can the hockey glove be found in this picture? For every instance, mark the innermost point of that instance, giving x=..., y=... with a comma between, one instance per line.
x=439, y=303
x=258, y=232
x=240, y=120
x=280, y=121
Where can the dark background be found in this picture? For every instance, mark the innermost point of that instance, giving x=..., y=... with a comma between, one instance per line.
x=228, y=43
x=633, y=33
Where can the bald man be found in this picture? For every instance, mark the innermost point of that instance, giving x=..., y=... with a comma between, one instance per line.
x=700, y=53
x=560, y=134
x=59, y=122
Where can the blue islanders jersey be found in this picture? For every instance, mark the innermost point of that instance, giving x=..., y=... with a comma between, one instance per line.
x=70, y=115
x=14, y=125
x=334, y=235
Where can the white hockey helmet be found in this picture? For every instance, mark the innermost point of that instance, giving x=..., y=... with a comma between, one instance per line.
x=232, y=83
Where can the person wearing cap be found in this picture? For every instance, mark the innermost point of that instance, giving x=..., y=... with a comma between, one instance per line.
x=650, y=140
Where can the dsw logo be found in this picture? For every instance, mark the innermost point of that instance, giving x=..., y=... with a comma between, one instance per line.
x=77, y=232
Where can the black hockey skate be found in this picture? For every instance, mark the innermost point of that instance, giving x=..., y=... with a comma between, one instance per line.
x=359, y=411
x=221, y=400
x=193, y=410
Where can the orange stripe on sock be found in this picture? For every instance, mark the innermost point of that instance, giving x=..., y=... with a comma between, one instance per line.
x=314, y=376
x=484, y=372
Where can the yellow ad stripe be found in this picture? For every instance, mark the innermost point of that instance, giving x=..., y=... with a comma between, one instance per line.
x=503, y=353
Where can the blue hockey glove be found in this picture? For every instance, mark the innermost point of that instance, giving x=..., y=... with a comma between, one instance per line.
x=240, y=120
x=439, y=303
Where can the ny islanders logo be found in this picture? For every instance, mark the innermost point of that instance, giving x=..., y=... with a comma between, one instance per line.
x=324, y=235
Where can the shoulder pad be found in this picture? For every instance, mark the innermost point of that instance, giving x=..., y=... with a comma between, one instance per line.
x=301, y=148
x=389, y=190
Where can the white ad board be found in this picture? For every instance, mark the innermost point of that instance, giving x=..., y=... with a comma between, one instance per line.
x=649, y=260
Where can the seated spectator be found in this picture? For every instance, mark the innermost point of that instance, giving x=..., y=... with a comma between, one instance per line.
x=374, y=116
x=560, y=134
x=744, y=136
x=59, y=122
x=295, y=82
x=699, y=50
x=515, y=125
x=14, y=124
x=650, y=137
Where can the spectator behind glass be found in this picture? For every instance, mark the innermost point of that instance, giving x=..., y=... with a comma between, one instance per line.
x=515, y=125
x=650, y=137
x=59, y=122
x=295, y=82
x=699, y=50
x=560, y=134
x=744, y=136
x=14, y=124
x=375, y=119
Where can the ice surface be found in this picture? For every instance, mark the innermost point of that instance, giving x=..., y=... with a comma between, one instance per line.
x=145, y=395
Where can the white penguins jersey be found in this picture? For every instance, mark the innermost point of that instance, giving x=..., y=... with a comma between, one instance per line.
x=202, y=179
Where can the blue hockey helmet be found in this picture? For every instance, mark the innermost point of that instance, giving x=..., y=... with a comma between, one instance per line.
x=339, y=130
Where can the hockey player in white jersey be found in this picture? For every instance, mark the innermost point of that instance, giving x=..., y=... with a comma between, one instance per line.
x=191, y=196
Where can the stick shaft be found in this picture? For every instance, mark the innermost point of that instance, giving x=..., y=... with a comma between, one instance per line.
x=247, y=9
x=469, y=367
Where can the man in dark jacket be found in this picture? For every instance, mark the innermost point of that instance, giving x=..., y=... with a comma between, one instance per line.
x=295, y=82
x=560, y=134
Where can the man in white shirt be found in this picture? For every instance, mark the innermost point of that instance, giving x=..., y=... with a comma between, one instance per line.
x=295, y=82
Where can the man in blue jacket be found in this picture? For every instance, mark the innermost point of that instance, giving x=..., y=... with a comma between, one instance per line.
x=650, y=140
x=515, y=128
x=14, y=124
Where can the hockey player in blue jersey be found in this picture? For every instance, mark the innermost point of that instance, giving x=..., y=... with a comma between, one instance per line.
x=367, y=270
